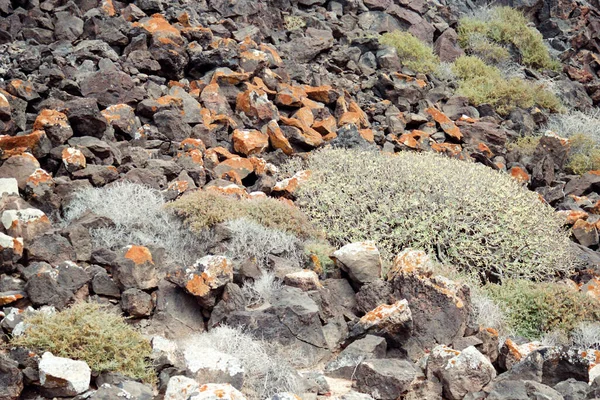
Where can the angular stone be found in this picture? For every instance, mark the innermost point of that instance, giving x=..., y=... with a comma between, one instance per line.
x=460, y=372
x=136, y=268
x=180, y=388
x=207, y=274
x=249, y=141
x=27, y=223
x=384, y=379
x=11, y=379
x=361, y=260
x=305, y=280
x=212, y=366
x=63, y=377
x=217, y=391
x=394, y=321
x=344, y=366
x=9, y=186
x=73, y=159
x=136, y=303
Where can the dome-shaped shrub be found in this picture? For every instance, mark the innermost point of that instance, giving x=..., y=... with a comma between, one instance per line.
x=480, y=220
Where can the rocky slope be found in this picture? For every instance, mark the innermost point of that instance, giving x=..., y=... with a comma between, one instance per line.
x=216, y=94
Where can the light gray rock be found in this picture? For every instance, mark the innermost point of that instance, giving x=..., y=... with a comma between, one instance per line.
x=63, y=377
x=361, y=260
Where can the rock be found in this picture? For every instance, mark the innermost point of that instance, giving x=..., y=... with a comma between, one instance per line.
x=483, y=132
x=441, y=308
x=9, y=186
x=55, y=124
x=85, y=117
x=305, y=280
x=73, y=159
x=216, y=391
x=180, y=388
x=446, y=46
x=522, y=389
x=212, y=366
x=393, y=321
x=344, y=366
x=248, y=142
x=63, y=377
x=124, y=389
x=136, y=303
x=136, y=268
x=11, y=250
x=19, y=167
x=374, y=294
x=103, y=285
x=51, y=248
x=111, y=87
x=460, y=372
x=385, y=379
x=232, y=300
x=208, y=274
x=36, y=143
x=28, y=223
x=572, y=389
x=11, y=379
x=361, y=260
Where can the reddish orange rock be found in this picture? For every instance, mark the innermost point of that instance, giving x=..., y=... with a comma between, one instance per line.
x=483, y=148
x=39, y=177
x=229, y=77
x=274, y=56
x=250, y=141
x=367, y=134
x=73, y=159
x=290, y=185
x=420, y=82
x=326, y=126
x=445, y=123
x=242, y=166
x=139, y=255
x=325, y=94
x=15, y=145
x=450, y=149
x=278, y=139
x=255, y=103
x=48, y=117
x=108, y=8
x=572, y=216
x=305, y=115
x=159, y=27
x=289, y=96
x=311, y=136
x=520, y=174
x=416, y=140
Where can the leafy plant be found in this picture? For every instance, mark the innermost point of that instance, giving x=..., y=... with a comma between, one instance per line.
x=205, y=208
x=526, y=145
x=321, y=250
x=507, y=26
x=470, y=216
x=413, y=53
x=537, y=308
x=91, y=333
x=483, y=83
x=584, y=155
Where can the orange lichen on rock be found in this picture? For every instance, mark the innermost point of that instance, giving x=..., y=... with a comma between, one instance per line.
x=326, y=126
x=250, y=141
x=159, y=27
x=415, y=140
x=420, y=82
x=39, y=177
x=290, y=96
x=445, y=123
x=324, y=94
x=312, y=137
x=519, y=174
x=15, y=145
x=108, y=7
x=277, y=138
x=139, y=255
x=290, y=185
x=48, y=117
x=450, y=149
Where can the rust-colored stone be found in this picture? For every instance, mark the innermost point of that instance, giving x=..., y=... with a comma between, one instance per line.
x=15, y=145
x=277, y=138
x=445, y=123
x=519, y=174
x=139, y=255
x=250, y=141
x=48, y=117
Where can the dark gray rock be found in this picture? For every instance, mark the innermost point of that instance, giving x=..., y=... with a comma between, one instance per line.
x=367, y=348
x=11, y=379
x=136, y=303
x=384, y=379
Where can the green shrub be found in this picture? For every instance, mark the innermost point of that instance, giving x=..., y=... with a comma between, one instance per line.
x=483, y=83
x=538, y=308
x=205, y=208
x=475, y=218
x=413, y=53
x=508, y=26
x=526, y=145
x=93, y=334
x=584, y=154
x=489, y=51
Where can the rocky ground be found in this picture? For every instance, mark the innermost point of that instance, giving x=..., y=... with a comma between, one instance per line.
x=214, y=94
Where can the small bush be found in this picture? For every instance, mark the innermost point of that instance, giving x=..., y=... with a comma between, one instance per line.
x=526, y=145
x=480, y=220
x=140, y=218
x=492, y=53
x=576, y=122
x=587, y=335
x=266, y=370
x=262, y=290
x=538, y=308
x=413, y=53
x=92, y=334
x=488, y=313
x=203, y=209
x=252, y=240
x=507, y=26
x=482, y=83
x=584, y=155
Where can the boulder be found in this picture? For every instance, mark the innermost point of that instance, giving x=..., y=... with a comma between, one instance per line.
x=136, y=268
x=460, y=372
x=136, y=303
x=393, y=321
x=207, y=365
x=361, y=260
x=63, y=377
x=368, y=348
x=384, y=379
